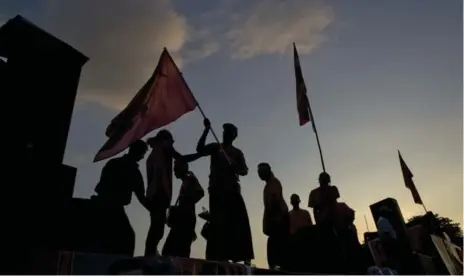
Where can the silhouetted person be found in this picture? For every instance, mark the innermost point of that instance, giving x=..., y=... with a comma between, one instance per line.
x=120, y=177
x=301, y=247
x=347, y=235
x=299, y=218
x=230, y=228
x=323, y=200
x=276, y=221
x=182, y=232
x=159, y=182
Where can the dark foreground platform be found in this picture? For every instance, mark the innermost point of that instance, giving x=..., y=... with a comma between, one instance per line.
x=77, y=263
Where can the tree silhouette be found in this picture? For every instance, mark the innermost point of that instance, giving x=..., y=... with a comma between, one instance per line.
x=451, y=228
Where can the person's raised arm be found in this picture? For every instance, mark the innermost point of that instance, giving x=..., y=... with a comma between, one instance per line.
x=201, y=145
x=187, y=158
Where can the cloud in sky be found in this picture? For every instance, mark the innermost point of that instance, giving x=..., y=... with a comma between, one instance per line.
x=269, y=27
x=124, y=38
x=272, y=26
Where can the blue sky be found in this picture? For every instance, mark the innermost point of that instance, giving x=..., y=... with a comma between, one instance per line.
x=381, y=76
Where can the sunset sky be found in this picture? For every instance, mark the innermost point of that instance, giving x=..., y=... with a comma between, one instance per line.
x=381, y=75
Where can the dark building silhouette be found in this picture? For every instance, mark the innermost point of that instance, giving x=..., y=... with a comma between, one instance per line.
x=39, y=85
x=42, y=75
x=39, y=76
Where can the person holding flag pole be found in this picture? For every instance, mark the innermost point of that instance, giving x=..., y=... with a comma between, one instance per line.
x=230, y=238
x=326, y=195
x=163, y=99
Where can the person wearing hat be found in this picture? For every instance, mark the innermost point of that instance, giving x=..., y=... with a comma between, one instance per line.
x=159, y=184
x=229, y=225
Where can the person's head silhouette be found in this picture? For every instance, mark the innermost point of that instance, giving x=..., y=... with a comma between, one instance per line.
x=162, y=139
x=229, y=133
x=324, y=179
x=264, y=171
x=295, y=201
x=137, y=150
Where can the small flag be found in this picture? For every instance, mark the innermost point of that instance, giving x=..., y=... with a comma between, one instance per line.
x=164, y=98
x=407, y=175
x=302, y=102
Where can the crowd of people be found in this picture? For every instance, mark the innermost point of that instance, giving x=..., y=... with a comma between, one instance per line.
x=227, y=230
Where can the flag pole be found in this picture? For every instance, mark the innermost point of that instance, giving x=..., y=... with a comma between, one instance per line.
x=302, y=94
x=201, y=110
x=367, y=225
x=317, y=136
x=425, y=209
x=204, y=117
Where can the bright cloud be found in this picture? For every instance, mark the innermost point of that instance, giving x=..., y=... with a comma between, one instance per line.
x=272, y=26
x=122, y=38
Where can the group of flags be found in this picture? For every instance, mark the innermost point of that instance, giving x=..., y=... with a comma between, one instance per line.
x=305, y=115
x=166, y=97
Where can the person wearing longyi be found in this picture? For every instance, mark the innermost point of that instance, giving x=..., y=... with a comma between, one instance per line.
x=229, y=224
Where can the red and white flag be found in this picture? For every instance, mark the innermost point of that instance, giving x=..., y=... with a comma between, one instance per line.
x=302, y=102
x=164, y=98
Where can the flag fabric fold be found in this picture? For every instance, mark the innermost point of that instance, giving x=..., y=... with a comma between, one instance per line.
x=407, y=176
x=302, y=102
x=164, y=98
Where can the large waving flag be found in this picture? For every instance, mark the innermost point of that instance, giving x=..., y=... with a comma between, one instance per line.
x=302, y=102
x=407, y=175
x=164, y=98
